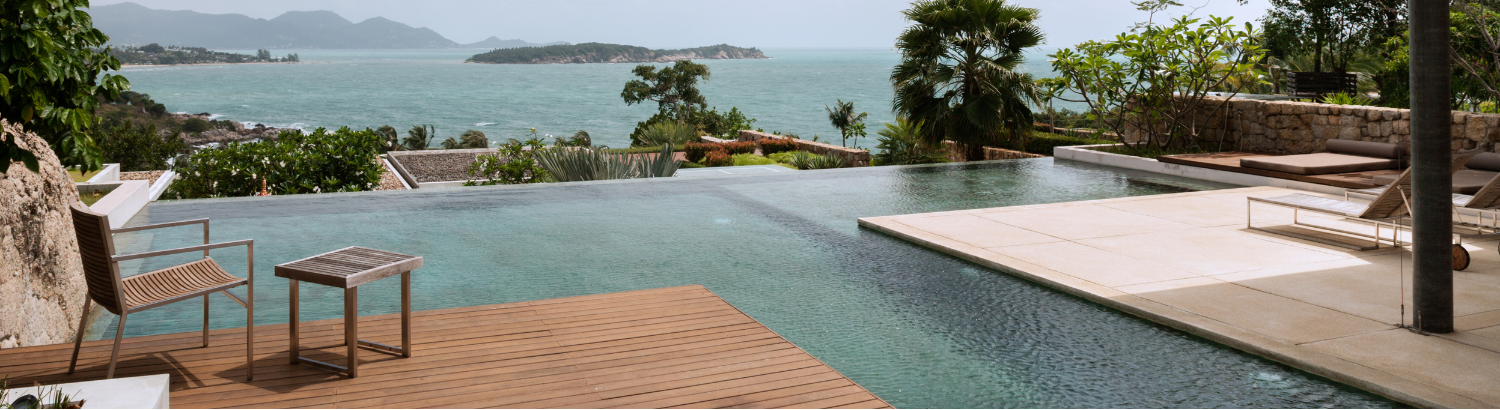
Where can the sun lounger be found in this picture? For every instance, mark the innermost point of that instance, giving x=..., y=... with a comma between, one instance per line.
x=1475, y=175
x=1383, y=211
x=1342, y=156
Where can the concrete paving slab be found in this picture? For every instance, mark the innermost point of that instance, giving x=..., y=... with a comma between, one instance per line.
x=1082, y=222
x=1280, y=317
x=976, y=231
x=1465, y=370
x=1093, y=264
x=1209, y=251
x=1178, y=260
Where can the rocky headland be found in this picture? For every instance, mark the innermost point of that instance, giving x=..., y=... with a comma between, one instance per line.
x=587, y=53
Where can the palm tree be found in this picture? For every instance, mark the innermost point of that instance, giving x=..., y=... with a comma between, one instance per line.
x=419, y=137
x=844, y=118
x=958, y=71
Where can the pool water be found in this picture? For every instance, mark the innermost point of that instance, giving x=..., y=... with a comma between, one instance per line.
x=914, y=326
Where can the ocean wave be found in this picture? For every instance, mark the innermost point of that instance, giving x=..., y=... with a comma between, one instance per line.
x=482, y=124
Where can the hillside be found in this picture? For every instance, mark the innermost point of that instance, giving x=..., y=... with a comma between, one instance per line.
x=134, y=24
x=586, y=53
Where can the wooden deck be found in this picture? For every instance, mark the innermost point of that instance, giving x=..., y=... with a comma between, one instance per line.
x=1230, y=161
x=670, y=347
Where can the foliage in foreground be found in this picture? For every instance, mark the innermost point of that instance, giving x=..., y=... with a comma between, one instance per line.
x=293, y=163
x=52, y=66
x=514, y=162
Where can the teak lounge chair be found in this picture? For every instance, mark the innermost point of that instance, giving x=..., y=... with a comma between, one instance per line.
x=123, y=296
x=1384, y=210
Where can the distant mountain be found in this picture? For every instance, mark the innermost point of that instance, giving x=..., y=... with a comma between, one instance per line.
x=134, y=24
x=611, y=53
x=496, y=42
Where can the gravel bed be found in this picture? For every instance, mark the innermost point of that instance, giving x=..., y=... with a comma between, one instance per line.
x=389, y=181
x=440, y=166
x=148, y=176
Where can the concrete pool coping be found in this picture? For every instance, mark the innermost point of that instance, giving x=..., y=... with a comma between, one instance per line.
x=1276, y=302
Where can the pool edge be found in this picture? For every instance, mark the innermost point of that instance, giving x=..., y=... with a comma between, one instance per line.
x=1371, y=380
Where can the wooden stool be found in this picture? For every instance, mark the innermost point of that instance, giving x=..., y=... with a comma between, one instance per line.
x=348, y=268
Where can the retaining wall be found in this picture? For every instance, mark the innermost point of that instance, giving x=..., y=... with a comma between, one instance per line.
x=1288, y=127
x=851, y=156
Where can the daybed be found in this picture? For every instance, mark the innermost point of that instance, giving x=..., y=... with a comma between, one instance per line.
x=1342, y=156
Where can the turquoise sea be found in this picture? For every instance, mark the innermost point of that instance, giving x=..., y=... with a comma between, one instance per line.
x=401, y=88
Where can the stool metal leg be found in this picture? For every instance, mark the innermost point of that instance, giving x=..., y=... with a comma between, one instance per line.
x=406, y=314
x=296, y=344
x=351, y=329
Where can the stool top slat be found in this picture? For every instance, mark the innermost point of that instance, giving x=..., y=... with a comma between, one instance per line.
x=348, y=267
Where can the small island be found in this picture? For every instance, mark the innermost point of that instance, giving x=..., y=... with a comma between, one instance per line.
x=586, y=53
x=155, y=54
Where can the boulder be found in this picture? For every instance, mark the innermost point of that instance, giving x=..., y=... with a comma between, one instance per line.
x=41, y=275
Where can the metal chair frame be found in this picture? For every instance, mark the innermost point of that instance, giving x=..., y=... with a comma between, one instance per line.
x=120, y=305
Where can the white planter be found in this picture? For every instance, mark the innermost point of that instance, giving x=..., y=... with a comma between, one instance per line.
x=160, y=186
x=110, y=173
x=1082, y=153
x=121, y=204
x=143, y=392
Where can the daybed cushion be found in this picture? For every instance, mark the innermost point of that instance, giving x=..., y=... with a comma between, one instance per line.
x=1365, y=148
x=1487, y=161
x=1320, y=163
x=1465, y=181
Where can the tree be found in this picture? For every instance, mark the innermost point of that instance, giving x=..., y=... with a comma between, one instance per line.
x=1475, y=46
x=846, y=120
x=263, y=54
x=52, y=65
x=1332, y=31
x=392, y=140
x=474, y=139
x=674, y=88
x=138, y=147
x=957, y=74
x=901, y=144
x=419, y=137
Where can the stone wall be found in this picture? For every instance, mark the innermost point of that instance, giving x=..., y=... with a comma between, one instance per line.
x=851, y=156
x=41, y=276
x=1286, y=127
x=992, y=153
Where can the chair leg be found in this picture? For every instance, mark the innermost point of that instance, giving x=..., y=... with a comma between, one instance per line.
x=78, y=340
x=114, y=357
x=250, y=337
x=205, y=320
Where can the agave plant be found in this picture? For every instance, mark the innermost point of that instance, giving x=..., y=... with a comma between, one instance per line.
x=668, y=133
x=1347, y=99
x=583, y=164
x=807, y=160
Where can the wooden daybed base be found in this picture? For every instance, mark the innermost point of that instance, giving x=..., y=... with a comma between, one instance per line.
x=1230, y=161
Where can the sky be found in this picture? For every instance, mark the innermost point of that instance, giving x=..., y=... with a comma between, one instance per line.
x=695, y=23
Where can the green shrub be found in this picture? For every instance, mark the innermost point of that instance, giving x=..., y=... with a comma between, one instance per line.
x=901, y=144
x=643, y=150
x=669, y=132
x=770, y=146
x=686, y=164
x=138, y=147
x=196, y=125
x=783, y=157
x=513, y=163
x=751, y=159
x=739, y=147
x=293, y=163
x=808, y=160
x=696, y=151
x=718, y=159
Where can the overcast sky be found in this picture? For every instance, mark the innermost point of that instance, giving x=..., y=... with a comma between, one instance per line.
x=694, y=23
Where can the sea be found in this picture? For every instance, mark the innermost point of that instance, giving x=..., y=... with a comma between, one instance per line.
x=787, y=93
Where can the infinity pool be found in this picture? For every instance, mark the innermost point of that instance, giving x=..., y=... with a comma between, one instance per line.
x=916, y=327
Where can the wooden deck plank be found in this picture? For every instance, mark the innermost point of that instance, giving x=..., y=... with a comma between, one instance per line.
x=680, y=346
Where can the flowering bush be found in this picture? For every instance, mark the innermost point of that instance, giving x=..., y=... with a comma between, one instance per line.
x=695, y=151
x=718, y=159
x=739, y=147
x=770, y=146
x=294, y=163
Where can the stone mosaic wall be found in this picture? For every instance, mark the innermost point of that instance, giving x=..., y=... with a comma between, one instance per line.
x=992, y=153
x=1286, y=127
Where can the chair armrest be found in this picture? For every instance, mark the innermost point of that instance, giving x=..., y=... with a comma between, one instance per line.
x=203, y=221
x=245, y=242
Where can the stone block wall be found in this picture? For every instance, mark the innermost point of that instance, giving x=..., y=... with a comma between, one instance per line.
x=41, y=275
x=1287, y=127
x=852, y=157
x=992, y=153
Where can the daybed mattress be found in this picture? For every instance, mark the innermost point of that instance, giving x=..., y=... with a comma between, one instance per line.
x=1319, y=164
x=1465, y=181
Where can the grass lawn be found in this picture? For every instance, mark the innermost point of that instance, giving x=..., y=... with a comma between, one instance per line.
x=79, y=176
x=90, y=198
